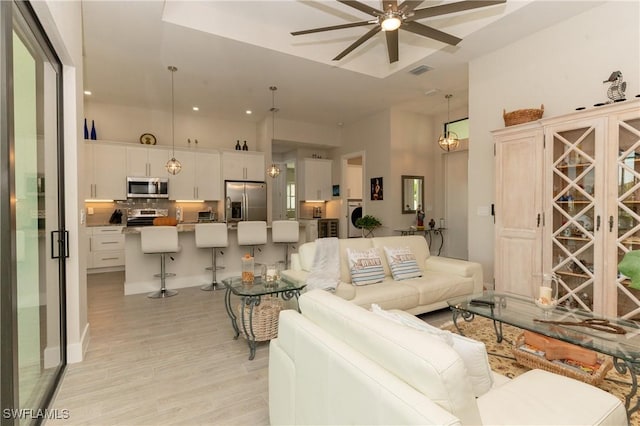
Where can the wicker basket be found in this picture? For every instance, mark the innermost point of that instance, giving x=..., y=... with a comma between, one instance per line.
x=534, y=361
x=265, y=318
x=522, y=116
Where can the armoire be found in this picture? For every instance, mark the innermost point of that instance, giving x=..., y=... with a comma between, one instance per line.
x=567, y=201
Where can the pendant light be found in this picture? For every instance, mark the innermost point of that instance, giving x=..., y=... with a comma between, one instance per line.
x=173, y=166
x=448, y=141
x=274, y=170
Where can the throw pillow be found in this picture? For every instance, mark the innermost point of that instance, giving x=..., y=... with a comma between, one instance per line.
x=365, y=266
x=402, y=263
x=472, y=352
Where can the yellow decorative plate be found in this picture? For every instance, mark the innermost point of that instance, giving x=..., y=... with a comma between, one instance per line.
x=147, y=139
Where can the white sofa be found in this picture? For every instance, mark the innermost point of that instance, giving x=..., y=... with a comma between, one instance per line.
x=442, y=278
x=338, y=363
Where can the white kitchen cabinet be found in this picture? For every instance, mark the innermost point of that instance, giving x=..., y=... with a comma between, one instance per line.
x=314, y=179
x=106, y=247
x=144, y=161
x=243, y=165
x=105, y=171
x=199, y=178
x=518, y=206
x=590, y=203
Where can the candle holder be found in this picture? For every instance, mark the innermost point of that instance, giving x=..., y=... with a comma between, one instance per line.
x=545, y=292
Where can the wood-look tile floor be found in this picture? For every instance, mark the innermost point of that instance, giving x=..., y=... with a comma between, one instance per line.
x=162, y=362
x=166, y=361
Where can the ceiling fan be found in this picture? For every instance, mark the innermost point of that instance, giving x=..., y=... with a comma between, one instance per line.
x=396, y=16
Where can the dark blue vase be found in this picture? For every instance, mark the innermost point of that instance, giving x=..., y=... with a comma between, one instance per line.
x=93, y=130
x=86, y=129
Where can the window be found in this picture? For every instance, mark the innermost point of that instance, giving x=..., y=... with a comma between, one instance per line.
x=459, y=127
x=291, y=199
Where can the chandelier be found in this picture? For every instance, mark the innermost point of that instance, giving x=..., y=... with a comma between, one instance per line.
x=448, y=141
x=273, y=170
x=173, y=166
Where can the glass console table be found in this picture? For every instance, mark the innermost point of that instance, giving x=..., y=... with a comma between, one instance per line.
x=251, y=296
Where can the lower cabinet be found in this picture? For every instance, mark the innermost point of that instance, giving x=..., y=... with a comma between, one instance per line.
x=106, y=247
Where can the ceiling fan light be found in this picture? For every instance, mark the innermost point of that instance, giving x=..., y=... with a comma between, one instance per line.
x=173, y=166
x=391, y=23
x=274, y=170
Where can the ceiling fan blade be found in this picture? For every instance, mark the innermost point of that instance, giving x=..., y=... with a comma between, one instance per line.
x=423, y=30
x=389, y=4
x=452, y=8
x=392, y=45
x=362, y=7
x=373, y=31
x=407, y=6
x=333, y=27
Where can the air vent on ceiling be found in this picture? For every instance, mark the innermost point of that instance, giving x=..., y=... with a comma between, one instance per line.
x=420, y=70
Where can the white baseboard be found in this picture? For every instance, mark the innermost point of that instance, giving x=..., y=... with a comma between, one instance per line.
x=76, y=351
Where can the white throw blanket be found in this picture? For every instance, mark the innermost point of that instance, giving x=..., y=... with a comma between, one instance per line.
x=325, y=271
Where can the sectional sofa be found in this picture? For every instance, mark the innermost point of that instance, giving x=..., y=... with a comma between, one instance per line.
x=338, y=363
x=440, y=278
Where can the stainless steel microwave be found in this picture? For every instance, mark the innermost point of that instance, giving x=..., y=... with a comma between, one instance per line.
x=144, y=187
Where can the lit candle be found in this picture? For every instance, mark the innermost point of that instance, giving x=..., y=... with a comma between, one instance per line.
x=271, y=274
x=545, y=294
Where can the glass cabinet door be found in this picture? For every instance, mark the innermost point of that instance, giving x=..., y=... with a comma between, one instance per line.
x=627, y=189
x=575, y=204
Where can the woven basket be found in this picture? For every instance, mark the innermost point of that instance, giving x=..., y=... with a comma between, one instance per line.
x=534, y=361
x=522, y=116
x=265, y=318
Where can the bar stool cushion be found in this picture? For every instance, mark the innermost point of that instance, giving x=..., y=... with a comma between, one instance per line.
x=285, y=231
x=211, y=235
x=159, y=239
x=252, y=233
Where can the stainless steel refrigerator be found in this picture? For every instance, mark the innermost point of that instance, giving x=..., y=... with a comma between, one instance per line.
x=245, y=201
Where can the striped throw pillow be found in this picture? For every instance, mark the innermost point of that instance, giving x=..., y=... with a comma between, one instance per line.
x=402, y=263
x=365, y=266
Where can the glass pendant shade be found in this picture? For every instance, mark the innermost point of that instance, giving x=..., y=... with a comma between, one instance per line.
x=449, y=142
x=274, y=170
x=173, y=166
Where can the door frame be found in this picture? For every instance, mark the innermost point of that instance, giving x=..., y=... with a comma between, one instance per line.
x=9, y=383
x=344, y=213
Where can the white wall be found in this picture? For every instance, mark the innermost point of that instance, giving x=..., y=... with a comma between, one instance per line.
x=62, y=22
x=561, y=67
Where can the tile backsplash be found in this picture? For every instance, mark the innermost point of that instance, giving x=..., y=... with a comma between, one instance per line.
x=102, y=211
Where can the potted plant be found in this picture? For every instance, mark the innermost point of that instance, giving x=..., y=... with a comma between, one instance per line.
x=368, y=223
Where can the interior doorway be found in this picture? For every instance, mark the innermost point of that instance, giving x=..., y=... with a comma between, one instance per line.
x=351, y=188
x=456, y=203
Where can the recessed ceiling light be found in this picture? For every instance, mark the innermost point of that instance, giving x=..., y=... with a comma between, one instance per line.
x=249, y=112
x=87, y=92
x=195, y=108
x=430, y=91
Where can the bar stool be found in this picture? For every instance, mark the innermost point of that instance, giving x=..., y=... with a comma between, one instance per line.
x=213, y=236
x=252, y=233
x=287, y=232
x=160, y=240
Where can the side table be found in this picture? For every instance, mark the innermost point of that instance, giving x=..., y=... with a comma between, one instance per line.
x=251, y=296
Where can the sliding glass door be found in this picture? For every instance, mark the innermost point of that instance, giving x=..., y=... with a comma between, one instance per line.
x=33, y=244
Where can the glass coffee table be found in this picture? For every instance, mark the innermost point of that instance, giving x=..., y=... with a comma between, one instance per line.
x=251, y=296
x=611, y=336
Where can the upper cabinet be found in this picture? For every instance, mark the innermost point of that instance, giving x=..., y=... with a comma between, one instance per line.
x=143, y=161
x=243, y=165
x=199, y=178
x=314, y=180
x=105, y=171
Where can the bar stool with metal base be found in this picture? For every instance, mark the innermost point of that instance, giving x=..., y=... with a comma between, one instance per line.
x=252, y=233
x=213, y=236
x=160, y=240
x=287, y=232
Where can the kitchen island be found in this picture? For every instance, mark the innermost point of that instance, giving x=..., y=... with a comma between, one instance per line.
x=190, y=262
